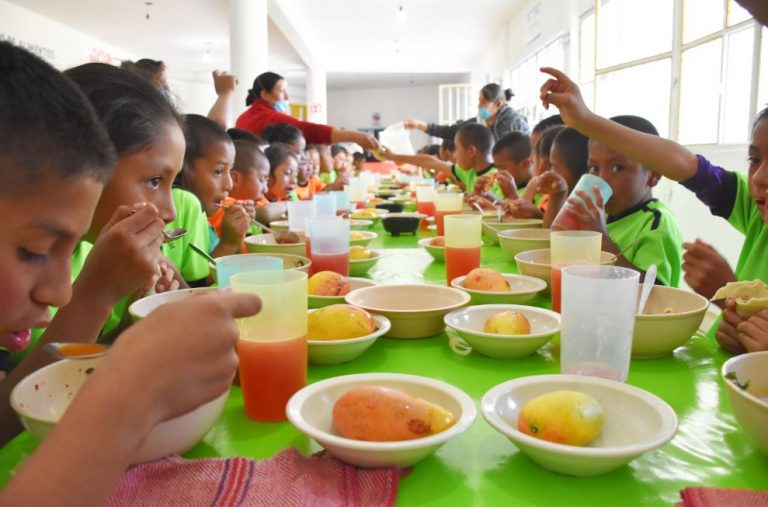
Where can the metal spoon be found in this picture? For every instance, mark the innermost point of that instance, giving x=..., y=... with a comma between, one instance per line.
x=173, y=235
x=650, y=278
x=200, y=251
x=64, y=350
x=280, y=236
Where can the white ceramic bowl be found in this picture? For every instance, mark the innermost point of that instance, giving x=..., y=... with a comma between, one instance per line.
x=514, y=241
x=751, y=406
x=146, y=305
x=522, y=289
x=416, y=311
x=437, y=252
x=310, y=411
x=360, y=215
x=468, y=323
x=365, y=238
x=354, y=283
x=658, y=333
x=265, y=243
x=341, y=351
x=360, y=267
x=536, y=263
x=42, y=397
x=636, y=422
x=360, y=225
x=492, y=228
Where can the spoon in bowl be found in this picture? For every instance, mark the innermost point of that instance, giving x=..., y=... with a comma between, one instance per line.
x=72, y=350
x=650, y=278
x=281, y=237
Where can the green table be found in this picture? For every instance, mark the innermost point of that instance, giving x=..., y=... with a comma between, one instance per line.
x=482, y=467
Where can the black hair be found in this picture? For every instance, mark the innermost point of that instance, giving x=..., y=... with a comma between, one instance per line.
x=477, y=135
x=49, y=129
x=244, y=135
x=200, y=133
x=449, y=145
x=546, y=123
x=276, y=154
x=573, y=147
x=132, y=110
x=145, y=68
x=493, y=92
x=336, y=149
x=246, y=153
x=430, y=149
x=263, y=82
x=359, y=156
x=762, y=115
x=282, y=133
x=636, y=123
x=516, y=144
x=544, y=146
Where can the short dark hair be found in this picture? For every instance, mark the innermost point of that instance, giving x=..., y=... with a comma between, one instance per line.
x=493, y=92
x=245, y=135
x=477, y=135
x=336, y=149
x=430, y=149
x=546, y=123
x=145, y=68
x=516, y=144
x=449, y=145
x=263, y=82
x=636, y=123
x=200, y=133
x=282, y=133
x=359, y=156
x=246, y=153
x=49, y=129
x=544, y=145
x=573, y=147
x=276, y=154
x=133, y=111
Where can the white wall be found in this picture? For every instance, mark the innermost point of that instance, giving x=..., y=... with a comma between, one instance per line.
x=353, y=109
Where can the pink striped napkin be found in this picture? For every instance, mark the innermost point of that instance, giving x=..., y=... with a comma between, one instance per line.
x=721, y=497
x=287, y=479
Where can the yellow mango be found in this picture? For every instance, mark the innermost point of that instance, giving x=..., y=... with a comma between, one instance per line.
x=564, y=417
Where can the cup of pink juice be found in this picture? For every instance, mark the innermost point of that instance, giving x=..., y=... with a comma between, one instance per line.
x=329, y=248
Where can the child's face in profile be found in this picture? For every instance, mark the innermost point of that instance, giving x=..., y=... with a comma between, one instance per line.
x=314, y=162
x=251, y=184
x=209, y=177
x=520, y=170
x=283, y=180
x=630, y=181
x=339, y=161
x=303, y=169
x=463, y=155
x=758, y=165
x=144, y=176
x=556, y=162
x=40, y=229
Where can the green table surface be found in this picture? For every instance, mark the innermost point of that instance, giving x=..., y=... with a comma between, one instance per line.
x=482, y=467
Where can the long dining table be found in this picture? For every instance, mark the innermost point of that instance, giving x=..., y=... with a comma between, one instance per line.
x=481, y=467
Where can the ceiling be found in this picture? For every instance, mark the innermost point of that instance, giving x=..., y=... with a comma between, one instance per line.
x=359, y=42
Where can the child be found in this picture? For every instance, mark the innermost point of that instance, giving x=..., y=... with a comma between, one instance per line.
x=50, y=181
x=244, y=135
x=541, y=127
x=512, y=156
x=339, y=156
x=358, y=162
x=250, y=173
x=291, y=136
x=313, y=159
x=283, y=165
x=208, y=161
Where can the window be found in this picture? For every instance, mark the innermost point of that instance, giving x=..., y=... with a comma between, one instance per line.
x=762, y=89
x=587, y=58
x=700, y=93
x=623, y=33
x=456, y=102
x=701, y=18
x=736, y=76
x=737, y=13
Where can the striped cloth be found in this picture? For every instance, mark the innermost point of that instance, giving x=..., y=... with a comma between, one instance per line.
x=721, y=497
x=287, y=479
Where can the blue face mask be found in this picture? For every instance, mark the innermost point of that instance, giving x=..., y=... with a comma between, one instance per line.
x=484, y=113
x=282, y=106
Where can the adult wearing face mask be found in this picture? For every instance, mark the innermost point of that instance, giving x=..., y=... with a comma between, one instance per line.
x=493, y=110
x=267, y=103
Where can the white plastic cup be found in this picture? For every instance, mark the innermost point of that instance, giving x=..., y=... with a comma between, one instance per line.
x=325, y=205
x=598, y=320
x=342, y=200
x=299, y=213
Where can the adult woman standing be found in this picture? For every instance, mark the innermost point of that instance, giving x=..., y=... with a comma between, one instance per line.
x=492, y=109
x=268, y=104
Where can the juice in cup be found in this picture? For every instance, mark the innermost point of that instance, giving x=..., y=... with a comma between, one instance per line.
x=425, y=202
x=571, y=247
x=446, y=204
x=329, y=249
x=440, y=220
x=330, y=262
x=272, y=345
x=462, y=245
x=564, y=221
x=342, y=203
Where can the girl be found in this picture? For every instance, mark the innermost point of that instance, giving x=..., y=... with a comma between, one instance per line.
x=291, y=136
x=283, y=165
x=739, y=199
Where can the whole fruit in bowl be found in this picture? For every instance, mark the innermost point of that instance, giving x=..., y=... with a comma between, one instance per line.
x=357, y=252
x=327, y=283
x=508, y=322
x=339, y=322
x=563, y=417
x=440, y=241
x=487, y=280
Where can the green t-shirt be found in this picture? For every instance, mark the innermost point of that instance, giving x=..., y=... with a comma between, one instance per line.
x=467, y=177
x=747, y=219
x=328, y=178
x=190, y=216
x=658, y=240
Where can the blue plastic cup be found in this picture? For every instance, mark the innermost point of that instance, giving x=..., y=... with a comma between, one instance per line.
x=586, y=184
x=231, y=265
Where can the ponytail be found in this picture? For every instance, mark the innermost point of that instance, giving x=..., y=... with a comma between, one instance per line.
x=493, y=92
x=263, y=82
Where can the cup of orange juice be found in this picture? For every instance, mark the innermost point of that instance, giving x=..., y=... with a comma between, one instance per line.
x=447, y=203
x=273, y=343
x=571, y=247
x=462, y=244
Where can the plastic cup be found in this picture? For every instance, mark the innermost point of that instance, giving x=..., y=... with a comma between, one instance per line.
x=358, y=193
x=571, y=247
x=462, y=244
x=325, y=205
x=231, y=265
x=564, y=220
x=447, y=203
x=273, y=343
x=299, y=213
x=598, y=316
x=342, y=202
x=425, y=201
x=329, y=246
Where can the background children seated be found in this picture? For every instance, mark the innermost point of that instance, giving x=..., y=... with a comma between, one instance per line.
x=283, y=165
x=358, y=162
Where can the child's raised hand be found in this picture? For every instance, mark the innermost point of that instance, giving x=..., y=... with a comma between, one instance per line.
x=234, y=225
x=705, y=269
x=588, y=213
x=727, y=334
x=520, y=208
x=565, y=95
x=224, y=82
x=753, y=332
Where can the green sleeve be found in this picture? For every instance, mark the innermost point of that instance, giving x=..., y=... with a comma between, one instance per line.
x=189, y=216
x=744, y=207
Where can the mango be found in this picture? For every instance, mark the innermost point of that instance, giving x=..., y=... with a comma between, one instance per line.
x=507, y=322
x=364, y=213
x=356, y=235
x=486, y=280
x=383, y=414
x=339, y=322
x=439, y=241
x=327, y=283
x=357, y=252
x=563, y=417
